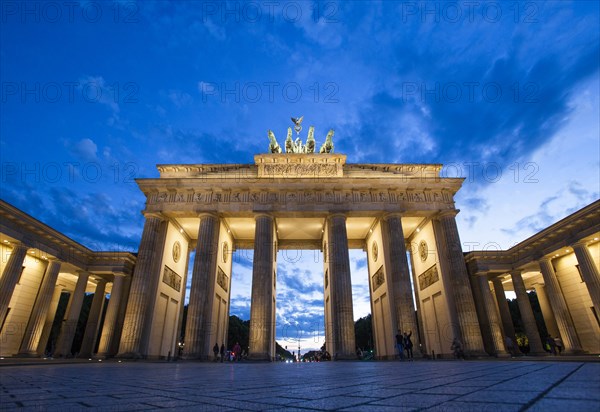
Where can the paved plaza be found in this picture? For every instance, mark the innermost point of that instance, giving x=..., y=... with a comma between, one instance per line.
x=348, y=386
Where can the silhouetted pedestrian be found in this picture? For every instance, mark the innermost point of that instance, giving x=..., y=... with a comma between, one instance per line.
x=510, y=346
x=408, y=345
x=559, y=344
x=550, y=345
x=237, y=352
x=222, y=352
x=457, y=349
x=400, y=344
x=216, y=351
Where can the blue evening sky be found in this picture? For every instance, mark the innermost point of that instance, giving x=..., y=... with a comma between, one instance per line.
x=95, y=94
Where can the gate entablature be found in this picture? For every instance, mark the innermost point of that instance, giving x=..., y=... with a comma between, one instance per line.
x=305, y=183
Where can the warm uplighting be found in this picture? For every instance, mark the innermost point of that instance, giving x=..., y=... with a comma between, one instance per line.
x=595, y=238
x=418, y=230
x=6, y=241
x=180, y=230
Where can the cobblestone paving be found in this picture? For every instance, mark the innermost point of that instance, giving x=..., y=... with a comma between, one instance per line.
x=347, y=386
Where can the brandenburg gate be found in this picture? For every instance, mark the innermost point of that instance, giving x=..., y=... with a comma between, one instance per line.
x=301, y=199
x=402, y=215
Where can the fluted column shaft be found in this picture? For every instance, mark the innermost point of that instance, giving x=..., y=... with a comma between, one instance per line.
x=110, y=320
x=261, y=307
x=398, y=272
x=460, y=286
x=503, y=309
x=10, y=277
x=93, y=323
x=118, y=331
x=67, y=331
x=37, y=319
x=141, y=295
x=341, y=284
x=546, y=308
x=50, y=315
x=562, y=316
x=589, y=272
x=198, y=326
x=531, y=329
x=492, y=315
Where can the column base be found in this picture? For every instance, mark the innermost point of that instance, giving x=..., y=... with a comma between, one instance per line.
x=345, y=356
x=476, y=354
x=574, y=352
x=28, y=355
x=503, y=355
x=196, y=357
x=130, y=355
x=259, y=357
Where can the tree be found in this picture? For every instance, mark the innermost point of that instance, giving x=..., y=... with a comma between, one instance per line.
x=363, y=330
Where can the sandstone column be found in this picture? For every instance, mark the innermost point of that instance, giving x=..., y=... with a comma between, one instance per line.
x=67, y=331
x=531, y=329
x=261, y=307
x=341, y=284
x=142, y=293
x=564, y=322
x=50, y=315
x=398, y=272
x=198, y=326
x=507, y=323
x=118, y=331
x=589, y=272
x=37, y=319
x=110, y=320
x=10, y=277
x=546, y=307
x=492, y=316
x=460, y=285
x=93, y=323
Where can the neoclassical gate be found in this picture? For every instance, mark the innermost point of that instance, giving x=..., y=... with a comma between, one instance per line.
x=301, y=200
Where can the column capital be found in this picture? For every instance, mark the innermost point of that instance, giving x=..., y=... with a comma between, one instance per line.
x=202, y=215
x=447, y=213
x=154, y=215
x=16, y=245
x=516, y=272
x=263, y=214
x=101, y=280
x=545, y=259
x=580, y=242
x=389, y=215
x=337, y=214
x=481, y=273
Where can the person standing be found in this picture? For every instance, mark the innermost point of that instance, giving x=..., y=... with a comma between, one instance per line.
x=559, y=344
x=551, y=345
x=408, y=345
x=216, y=351
x=222, y=352
x=457, y=349
x=400, y=344
x=237, y=352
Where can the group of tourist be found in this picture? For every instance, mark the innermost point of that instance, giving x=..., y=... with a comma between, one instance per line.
x=234, y=355
x=404, y=343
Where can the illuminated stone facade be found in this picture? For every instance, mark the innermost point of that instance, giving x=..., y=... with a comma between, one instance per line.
x=403, y=216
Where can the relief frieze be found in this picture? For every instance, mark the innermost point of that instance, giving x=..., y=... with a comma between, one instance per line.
x=303, y=197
